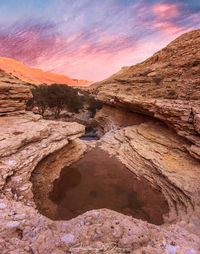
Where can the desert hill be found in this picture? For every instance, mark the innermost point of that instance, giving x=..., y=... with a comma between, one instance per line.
x=171, y=73
x=37, y=76
x=166, y=86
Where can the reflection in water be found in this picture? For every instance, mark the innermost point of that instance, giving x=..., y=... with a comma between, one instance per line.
x=100, y=181
x=90, y=134
x=69, y=178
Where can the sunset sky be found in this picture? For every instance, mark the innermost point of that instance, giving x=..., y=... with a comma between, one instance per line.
x=91, y=39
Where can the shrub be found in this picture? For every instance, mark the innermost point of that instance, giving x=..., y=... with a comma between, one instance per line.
x=40, y=98
x=58, y=97
x=157, y=80
x=94, y=105
x=172, y=93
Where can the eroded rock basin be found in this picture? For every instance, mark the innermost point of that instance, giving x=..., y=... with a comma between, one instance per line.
x=100, y=181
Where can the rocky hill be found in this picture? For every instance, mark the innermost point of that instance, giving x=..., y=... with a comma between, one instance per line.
x=166, y=86
x=37, y=76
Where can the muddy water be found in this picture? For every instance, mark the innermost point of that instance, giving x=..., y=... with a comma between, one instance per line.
x=100, y=181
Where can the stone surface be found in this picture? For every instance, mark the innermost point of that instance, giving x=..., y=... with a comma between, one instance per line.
x=154, y=152
x=13, y=94
x=25, y=140
x=49, y=170
x=148, y=148
x=165, y=86
x=102, y=231
x=110, y=118
x=24, y=230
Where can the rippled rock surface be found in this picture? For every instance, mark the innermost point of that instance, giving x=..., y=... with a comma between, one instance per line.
x=166, y=86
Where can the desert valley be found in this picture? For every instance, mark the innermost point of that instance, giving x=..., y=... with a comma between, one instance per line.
x=133, y=189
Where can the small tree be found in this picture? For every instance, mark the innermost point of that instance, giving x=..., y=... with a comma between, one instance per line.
x=40, y=96
x=93, y=105
x=56, y=97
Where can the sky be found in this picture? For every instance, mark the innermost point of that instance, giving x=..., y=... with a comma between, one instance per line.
x=91, y=39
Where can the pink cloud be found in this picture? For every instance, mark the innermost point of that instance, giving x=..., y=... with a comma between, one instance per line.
x=95, y=66
x=166, y=11
x=164, y=15
x=88, y=62
x=96, y=50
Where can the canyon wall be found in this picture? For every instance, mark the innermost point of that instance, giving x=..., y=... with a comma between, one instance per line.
x=13, y=95
x=152, y=113
x=166, y=87
x=146, y=106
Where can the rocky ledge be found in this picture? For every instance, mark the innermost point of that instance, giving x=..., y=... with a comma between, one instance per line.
x=148, y=147
x=166, y=87
x=152, y=151
x=29, y=141
x=26, y=140
x=13, y=94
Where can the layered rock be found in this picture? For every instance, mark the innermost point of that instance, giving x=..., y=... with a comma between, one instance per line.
x=110, y=118
x=101, y=231
x=13, y=95
x=147, y=147
x=165, y=86
x=25, y=141
x=154, y=152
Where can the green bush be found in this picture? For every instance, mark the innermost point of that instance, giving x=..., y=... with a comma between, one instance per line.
x=40, y=98
x=94, y=105
x=58, y=97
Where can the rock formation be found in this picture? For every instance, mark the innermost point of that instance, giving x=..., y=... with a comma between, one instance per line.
x=166, y=86
x=13, y=95
x=152, y=151
x=141, y=109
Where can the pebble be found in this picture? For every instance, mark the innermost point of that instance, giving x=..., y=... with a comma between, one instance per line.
x=11, y=162
x=17, y=179
x=81, y=223
x=2, y=205
x=13, y=224
x=67, y=238
x=96, y=214
x=172, y=249
x=20, y=216
x=23, y=188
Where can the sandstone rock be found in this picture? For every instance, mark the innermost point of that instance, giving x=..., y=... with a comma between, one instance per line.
x=110, y=118
x=103, y=230
x=45, y=236
x=165, y=86
x=152, y=151
x=49, y=170
x=31, y=147
x=13, y=94
x=26, y=140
